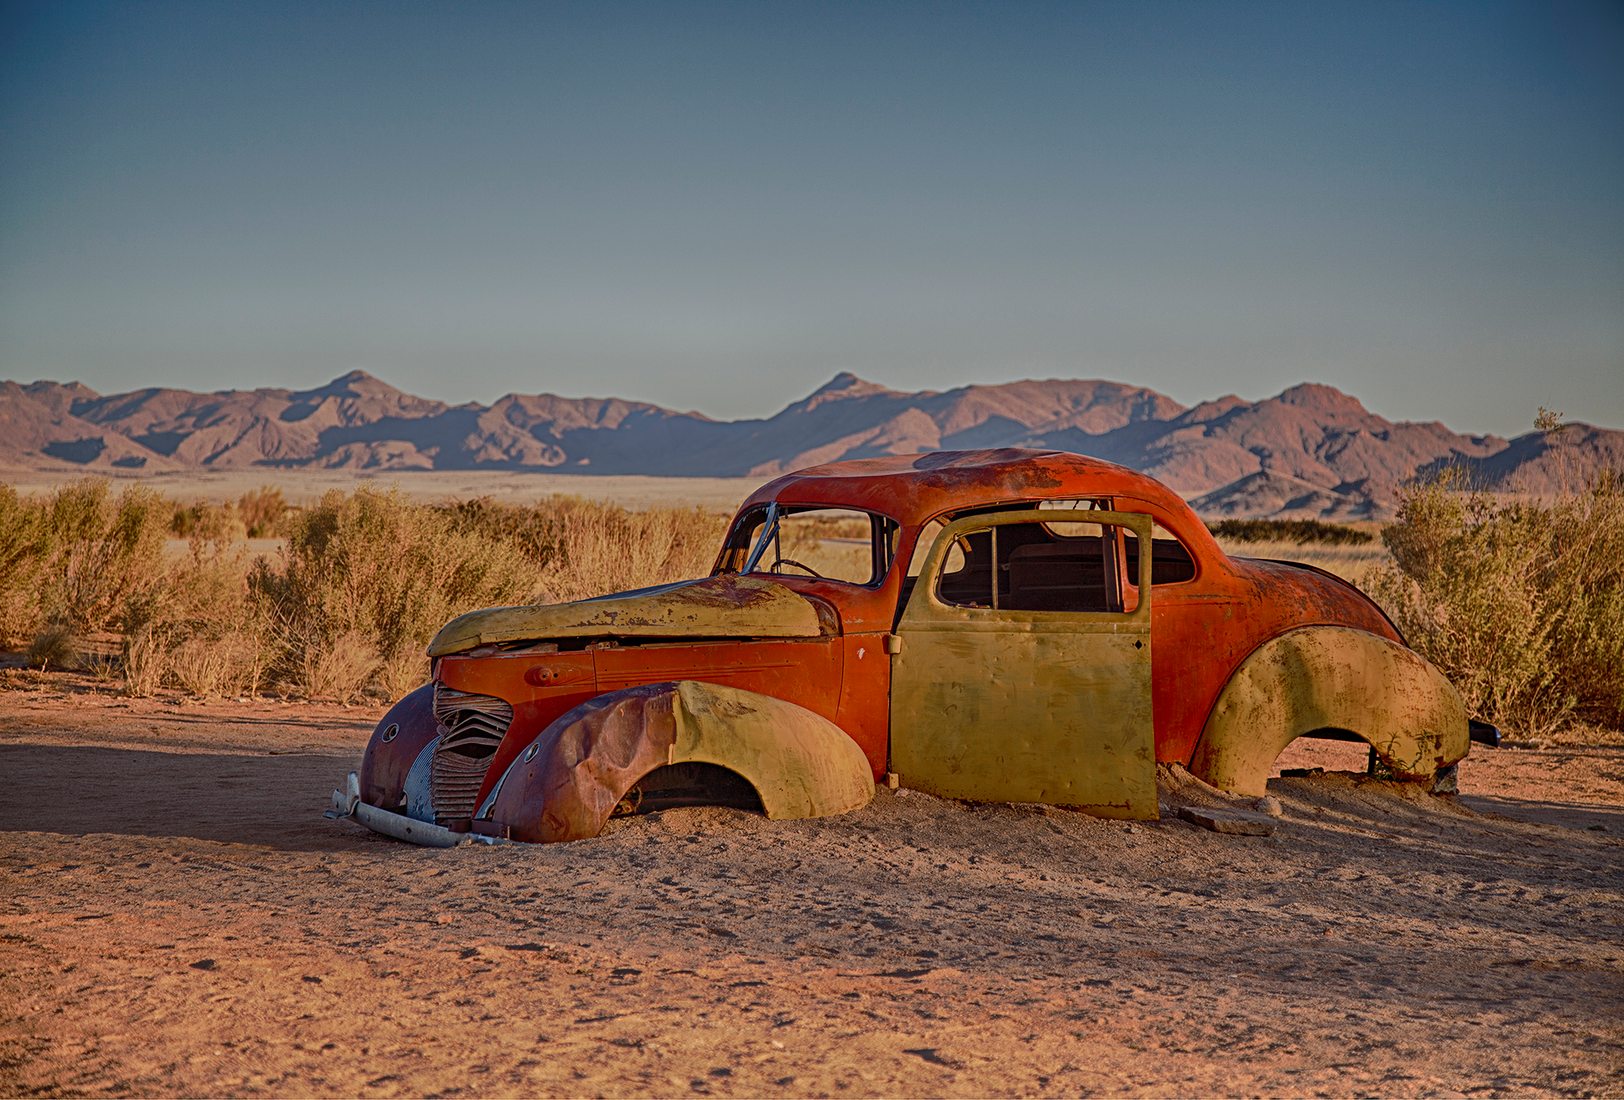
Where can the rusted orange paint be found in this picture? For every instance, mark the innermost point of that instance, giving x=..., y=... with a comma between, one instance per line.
x=507, y=676
x=864, y=711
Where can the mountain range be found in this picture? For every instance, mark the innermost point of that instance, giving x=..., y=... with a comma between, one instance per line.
x=1309, y=451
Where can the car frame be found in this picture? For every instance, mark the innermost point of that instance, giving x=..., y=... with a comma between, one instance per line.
x=1015, y=642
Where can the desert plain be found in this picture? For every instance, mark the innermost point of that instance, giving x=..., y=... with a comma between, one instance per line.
x=177, y=918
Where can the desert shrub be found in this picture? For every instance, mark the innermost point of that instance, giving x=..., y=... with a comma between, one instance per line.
x=55, y=646
x=199, y=630
x=24, y=550
x=1290, y=530
x=263, y=512
x=105, y=555
x=606, y=548
x=535, y=531
x=366, y=579
x=339, y=666
x=202, y=520
x=197, y=627
x=584, y=548
x=347, y=607
x=1520, y=603
x=145, y=663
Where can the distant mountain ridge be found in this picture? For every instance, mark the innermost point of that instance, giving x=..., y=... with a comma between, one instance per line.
x=1309, y=451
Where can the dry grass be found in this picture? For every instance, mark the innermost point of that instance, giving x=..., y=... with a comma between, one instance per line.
x=1519, y=600
x=1521, y=604
x=1358, y=564
x=345, y=608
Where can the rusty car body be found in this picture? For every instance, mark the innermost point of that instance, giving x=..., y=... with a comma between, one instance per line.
x=1010, y=625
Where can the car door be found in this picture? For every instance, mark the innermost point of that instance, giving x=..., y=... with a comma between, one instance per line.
x=1018, y=675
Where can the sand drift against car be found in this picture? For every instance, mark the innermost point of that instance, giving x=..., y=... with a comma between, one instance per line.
x=1004, y=625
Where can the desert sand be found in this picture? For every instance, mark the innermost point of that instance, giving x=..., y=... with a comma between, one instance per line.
x=176, y=917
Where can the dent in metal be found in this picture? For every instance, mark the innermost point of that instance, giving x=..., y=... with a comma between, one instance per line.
x=724, y=606
x=1026, y=706
x=1331, y=677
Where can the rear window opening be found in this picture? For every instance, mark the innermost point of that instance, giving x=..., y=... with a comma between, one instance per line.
x=1170, y=562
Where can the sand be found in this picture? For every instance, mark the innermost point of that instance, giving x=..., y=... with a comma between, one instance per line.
x=176, y=917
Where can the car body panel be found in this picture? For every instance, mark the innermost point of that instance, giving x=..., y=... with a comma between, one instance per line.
x=1331, y=678
x=724, y=606
x=569, y=780
x=1057, y=711
x=406, y=730
x=1206, y=627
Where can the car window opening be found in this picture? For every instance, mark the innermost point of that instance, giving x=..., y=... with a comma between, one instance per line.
x=1170, y=562
x=835, y=544
x=1040, y=566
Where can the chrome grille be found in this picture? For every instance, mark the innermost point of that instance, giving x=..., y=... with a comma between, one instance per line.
x=471, y=728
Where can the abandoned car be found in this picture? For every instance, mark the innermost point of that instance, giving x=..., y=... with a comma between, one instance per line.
x=1007, y=625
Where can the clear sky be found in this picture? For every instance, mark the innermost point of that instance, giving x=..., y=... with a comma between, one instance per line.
x=718, y=206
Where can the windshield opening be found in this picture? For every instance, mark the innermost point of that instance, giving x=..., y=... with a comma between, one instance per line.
x=836, y=544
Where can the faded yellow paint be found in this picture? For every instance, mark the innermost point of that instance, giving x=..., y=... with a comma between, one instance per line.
x=1331, y=677
x=1025, y=706
x=716, y=607
x=800, y=763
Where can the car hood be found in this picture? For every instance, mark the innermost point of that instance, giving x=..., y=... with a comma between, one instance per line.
x=723, y=606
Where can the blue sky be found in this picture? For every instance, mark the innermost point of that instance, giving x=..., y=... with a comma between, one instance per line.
x=718, y=206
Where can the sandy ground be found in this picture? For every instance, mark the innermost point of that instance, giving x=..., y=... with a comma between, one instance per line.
x=720, y=494
x=177, y=918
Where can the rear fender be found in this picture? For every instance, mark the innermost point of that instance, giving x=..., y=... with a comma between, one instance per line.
x=566, y=783
x=1331, y=677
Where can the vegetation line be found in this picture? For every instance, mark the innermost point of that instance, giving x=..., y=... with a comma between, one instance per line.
x=1520, y=603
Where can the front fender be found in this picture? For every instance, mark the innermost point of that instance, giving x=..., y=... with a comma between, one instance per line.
x=396, y=743
x=567, y=782
x=1331, y=677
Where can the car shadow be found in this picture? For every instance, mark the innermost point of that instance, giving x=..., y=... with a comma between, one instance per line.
x=1569, y=815
x=269, y=801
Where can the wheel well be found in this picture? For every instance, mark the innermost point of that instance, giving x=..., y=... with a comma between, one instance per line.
x=1333, y=733
x=689, y=784
x=1320, y=679
x=1343, y=759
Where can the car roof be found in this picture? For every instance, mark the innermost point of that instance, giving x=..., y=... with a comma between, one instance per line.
x=912, y=488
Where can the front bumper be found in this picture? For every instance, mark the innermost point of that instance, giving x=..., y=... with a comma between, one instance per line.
x=347, y=804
